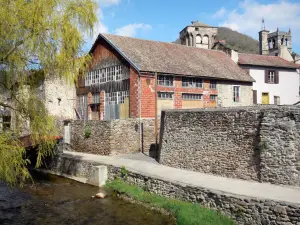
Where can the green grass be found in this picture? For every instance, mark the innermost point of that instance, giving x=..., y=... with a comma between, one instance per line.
x=186, y=213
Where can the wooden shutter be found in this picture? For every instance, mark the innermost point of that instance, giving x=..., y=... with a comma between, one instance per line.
x=276, y=78
x=254, y=96
x=266, y=76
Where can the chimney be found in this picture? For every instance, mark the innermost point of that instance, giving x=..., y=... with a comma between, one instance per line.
x=234, y=55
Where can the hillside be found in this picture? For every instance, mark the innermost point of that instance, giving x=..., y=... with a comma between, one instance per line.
x=240, y=42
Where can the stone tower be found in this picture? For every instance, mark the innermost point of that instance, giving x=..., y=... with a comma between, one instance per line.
x=263, y=42
x=278, y=40
x=198, y=35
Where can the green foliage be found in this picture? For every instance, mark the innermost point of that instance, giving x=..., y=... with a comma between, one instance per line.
x=293, y=54
x=186, y=213
x=39, y=40
x=262, y=145
x=87, y=131
x=124, y=173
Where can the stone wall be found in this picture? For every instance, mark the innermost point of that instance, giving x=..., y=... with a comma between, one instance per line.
x=244, y=210
x=112, y=137
x=253, y=143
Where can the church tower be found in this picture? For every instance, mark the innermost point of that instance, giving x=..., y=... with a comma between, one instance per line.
x=263, y=40
x=278, y=40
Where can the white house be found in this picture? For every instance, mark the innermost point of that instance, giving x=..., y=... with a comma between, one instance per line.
x=277, y=81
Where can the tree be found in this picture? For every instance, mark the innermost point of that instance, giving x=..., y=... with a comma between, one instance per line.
x=38, y=39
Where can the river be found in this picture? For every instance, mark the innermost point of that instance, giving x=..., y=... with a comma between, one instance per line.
x=53, y=200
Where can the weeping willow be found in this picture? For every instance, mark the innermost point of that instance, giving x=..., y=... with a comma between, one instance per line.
x=39, y=39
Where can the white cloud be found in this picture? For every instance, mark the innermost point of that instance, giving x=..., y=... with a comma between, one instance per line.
x=108, y=2
x=131, y=30
x=247, y=18
x=220, y=13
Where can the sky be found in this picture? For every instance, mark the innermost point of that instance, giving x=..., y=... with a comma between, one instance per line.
x=162, y=20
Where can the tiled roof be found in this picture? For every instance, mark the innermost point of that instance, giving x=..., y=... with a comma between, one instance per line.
x=265, y=60
x=162, y=57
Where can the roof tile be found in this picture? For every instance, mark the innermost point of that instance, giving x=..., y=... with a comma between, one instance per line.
x=265, y=60
x=162, y=57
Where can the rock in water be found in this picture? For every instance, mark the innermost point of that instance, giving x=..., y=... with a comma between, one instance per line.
x=100, y=195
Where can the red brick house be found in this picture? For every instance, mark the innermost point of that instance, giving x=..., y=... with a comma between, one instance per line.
x=121, y=80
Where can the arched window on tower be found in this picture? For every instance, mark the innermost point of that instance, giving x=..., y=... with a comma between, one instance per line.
x=270, y=44
x=198, y=41
x=282, y=41
x=286, y=42
x=274, y=43
x=205, y=41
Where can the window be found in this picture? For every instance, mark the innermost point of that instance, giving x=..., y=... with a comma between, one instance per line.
x=236, y=93
x=103, y=75
x=165, y=95
x=189, y=96
x=116, y=97
x=118, y=72
x=192, y=82
x=96, y=98
x=213, y=97
x=197, y=28
x=213, y=84
x=271, y=77
x=164, y=80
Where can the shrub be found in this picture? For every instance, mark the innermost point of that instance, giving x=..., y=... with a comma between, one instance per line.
x=87, y=132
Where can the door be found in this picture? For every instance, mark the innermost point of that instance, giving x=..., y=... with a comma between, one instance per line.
x=265, y=98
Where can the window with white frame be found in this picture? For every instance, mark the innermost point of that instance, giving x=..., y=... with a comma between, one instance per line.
x=213, y=97
x=271, y=77
x=118, y=73
x=116, y=97
x=165, y=80
x=236, y=93
x=96, y=98
x=188, y=96
x=103, y=75
x=213, y=84
x=165, y=95
x=192, y=82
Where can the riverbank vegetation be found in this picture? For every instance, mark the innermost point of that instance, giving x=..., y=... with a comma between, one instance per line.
x=186, y=213
x=39, y=41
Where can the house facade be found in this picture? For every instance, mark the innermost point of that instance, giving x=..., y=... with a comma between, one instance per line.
x=129, y=77
x=276, y=79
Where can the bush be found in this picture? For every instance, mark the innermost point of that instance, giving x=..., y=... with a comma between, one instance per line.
x=87, y=132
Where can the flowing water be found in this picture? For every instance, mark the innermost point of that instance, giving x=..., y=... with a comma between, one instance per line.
x=54, y=200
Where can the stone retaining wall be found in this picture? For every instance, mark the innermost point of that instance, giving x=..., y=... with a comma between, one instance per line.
x=252, y=143
x=244, y=210
x=112, y=137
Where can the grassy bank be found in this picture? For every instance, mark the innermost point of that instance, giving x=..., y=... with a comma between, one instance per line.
x=186, y=213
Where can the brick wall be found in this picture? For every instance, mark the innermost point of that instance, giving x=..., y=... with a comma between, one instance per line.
x=253, y=143
x=148, y=94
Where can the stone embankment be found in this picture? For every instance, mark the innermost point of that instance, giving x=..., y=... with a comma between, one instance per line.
x=244, y=201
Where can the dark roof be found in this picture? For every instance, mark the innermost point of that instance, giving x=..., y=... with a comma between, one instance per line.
x=265, y=60
x=162, y=57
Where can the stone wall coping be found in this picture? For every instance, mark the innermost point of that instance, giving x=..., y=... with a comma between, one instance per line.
x=235, y=109
x=219, y=185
